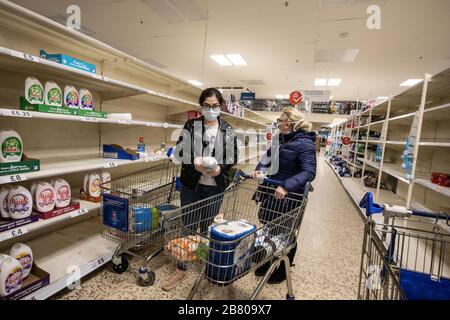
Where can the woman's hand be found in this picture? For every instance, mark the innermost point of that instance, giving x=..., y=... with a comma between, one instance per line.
x=214, y=173
x=198, y=163
x=281, y=193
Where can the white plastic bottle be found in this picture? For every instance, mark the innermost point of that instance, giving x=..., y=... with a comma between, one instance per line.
x=20, y=203
x=11, y=146
x=24, y=255
x=53, y=94
x=94, y=185
x=11, y=276
x=85, y=183
x=63, y=193
x=4, y=207
x=34, y=91
x=86, y=100
x=44, y=197
x=71, y=97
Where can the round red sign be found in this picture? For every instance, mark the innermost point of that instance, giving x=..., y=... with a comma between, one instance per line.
x=346, y=140
x=296, y=97
x=269, y=136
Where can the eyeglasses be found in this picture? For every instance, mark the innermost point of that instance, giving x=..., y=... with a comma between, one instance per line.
x=208, y=107
x=284, y=121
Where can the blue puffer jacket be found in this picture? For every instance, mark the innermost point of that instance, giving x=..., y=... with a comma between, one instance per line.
x=297, y=160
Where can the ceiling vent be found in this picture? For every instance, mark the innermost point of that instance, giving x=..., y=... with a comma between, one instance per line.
x=336, y=55
x=177, y=11
x=63, y=20
x=253, y=82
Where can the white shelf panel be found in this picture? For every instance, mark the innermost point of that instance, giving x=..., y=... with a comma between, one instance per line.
x=437, y=188
x=110, y=88
x=65, y=165
x=85, y=207
x=370, y=163
x=390, y=169
x=422, y=144
x=80, y=245
x=49, y=116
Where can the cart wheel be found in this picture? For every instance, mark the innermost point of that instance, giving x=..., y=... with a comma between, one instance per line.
x=146, y=278
x=290, y=297
x=122, y=266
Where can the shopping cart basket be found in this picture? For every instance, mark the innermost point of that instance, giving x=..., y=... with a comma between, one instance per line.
x=224, y=237
x=134, y=207
x=406, y=254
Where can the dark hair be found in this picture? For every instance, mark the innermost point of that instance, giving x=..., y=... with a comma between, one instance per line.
x=211, y=92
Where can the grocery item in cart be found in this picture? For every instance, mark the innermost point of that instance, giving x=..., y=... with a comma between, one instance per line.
x=53, y=94
x=20, y=203
x=230, y=249
x=267, y=245
x=34, y=91
x=185, y=249
x=12, y=146
x=140, y=219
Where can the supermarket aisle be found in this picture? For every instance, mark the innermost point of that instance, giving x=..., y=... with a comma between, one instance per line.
x=327, y=262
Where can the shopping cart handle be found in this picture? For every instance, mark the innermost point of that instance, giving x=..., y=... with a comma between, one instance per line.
x=367, y=203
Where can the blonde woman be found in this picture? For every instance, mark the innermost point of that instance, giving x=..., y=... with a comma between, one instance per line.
x=296, y=158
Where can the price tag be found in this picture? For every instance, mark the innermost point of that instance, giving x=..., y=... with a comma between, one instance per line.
x=97, y=263
x=79, y=212
x=13, y=178
x=165, y=125
x=10, y=234
x=30, y=57
x=89, y=119
x=111, y=165
x=17, y=113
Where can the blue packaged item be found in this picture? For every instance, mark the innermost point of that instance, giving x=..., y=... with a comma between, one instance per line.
x=113, y=151
x=115, y=212
x=141, y=219
x=419, y=286
x=230, y=250
x=69, y=61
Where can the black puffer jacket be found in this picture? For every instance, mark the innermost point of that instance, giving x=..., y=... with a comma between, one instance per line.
x=191, y=145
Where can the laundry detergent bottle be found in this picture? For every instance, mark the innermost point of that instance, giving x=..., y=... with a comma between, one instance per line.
x=63, y=193
x=94, y=185
x=24, y=255
x=11, y=276
x=20, y=203
x=86, y=100
x=11, y=146
x=44, y=197
x=106, y=181
x=4, y=208
x=34, y=91
x=53, y=94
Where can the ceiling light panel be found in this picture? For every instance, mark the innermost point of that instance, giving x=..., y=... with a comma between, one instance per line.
x=221, y=60
x=195, y=83
x=320, y=82
x=336, y=55
x=334, y=82
x=411, y=82
x=236, y=59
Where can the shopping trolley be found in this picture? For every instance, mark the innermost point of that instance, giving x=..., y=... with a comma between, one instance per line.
x=405, y=255
x=134, y=209
x=225, y=237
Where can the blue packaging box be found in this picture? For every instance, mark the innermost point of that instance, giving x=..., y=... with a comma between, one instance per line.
x=113, y=151
x=115, y=212
x=69, y=61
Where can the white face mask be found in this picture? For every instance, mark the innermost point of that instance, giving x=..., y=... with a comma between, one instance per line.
x=211, y=115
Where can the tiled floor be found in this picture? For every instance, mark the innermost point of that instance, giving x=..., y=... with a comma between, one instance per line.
x=327, y=261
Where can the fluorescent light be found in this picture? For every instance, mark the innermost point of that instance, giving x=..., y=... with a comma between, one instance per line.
x=279, y=96
x=334, y=82
x=382, y=98
x=195, y=83
x=221, y=60
x=331, y=97
x=287, y=96
x=236, y=59
x=320, y=82
x=411, y=82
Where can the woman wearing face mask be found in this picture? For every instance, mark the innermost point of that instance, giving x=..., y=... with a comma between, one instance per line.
x=207, y=137
x=296, y=157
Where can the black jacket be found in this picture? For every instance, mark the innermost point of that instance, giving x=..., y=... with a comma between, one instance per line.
x=191, y=145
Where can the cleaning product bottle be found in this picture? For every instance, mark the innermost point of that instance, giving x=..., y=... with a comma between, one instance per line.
x=53, y=94
x=63, y=193
x=12, y=146
x=24, y=255
x=4, y=208
x=45, y=197
x=33, y=192
x=94, y=185
x=20, y=203
x=11, y=276
x=106, y=181
x=86, y=100
x=34, y=91
x=71, y=97
x=141, y=145
x=85, y=183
